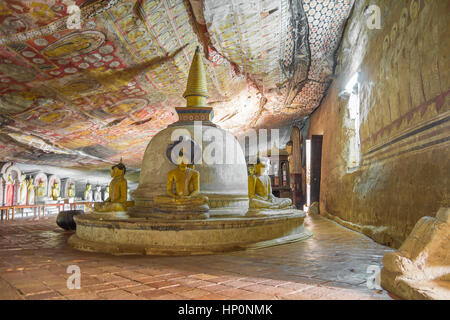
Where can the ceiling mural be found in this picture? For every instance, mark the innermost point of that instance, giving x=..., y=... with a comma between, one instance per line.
x=87, y=96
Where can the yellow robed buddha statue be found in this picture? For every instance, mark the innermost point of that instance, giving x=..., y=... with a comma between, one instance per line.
x=41, y=192
x=117, y=200
x=183, y=190
x=260, y=189
x=56, y=191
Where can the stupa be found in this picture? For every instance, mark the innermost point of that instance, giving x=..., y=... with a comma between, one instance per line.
x=193, y=194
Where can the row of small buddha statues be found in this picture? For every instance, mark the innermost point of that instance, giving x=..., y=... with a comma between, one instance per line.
x=96, y=195
x=28, y=193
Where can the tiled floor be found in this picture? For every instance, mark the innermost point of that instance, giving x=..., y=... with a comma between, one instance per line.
x=34, y=258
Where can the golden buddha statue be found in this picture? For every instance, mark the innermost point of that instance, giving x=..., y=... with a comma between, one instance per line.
x=117, y=200
x=260, y=189
x=183, y=190
x=56, y=191
x=41, y=189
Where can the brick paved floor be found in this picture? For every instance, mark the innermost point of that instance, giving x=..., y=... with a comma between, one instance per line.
x=34, y=258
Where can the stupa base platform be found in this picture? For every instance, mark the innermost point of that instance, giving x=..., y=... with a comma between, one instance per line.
x=118, y=234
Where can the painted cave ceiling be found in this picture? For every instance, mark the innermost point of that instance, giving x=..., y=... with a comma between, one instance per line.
x=87, y=97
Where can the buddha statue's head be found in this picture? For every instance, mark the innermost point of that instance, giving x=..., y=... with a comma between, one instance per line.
x=30, y=182
x=41, y=184
x=88, y=187
x=184, y=152
x=289, y=147
x=56, y=185
x=262, y=166
x=251, y=170
x=182, y=162
x=118, y=170
x=9, y=178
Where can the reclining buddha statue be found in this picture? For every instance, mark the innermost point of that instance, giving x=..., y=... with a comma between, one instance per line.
x=117, y=200
x=260, y=189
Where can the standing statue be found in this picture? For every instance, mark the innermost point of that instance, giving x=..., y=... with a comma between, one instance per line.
x=117, y=200
x=31, y=193
x=56, y=192
x=9, y=191
x=88, y=193
x=260, y=189
x=295, y=177
x=23, y=190
x=98, y=194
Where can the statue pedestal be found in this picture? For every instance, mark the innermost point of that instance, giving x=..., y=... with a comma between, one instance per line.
x=253, y=212
x=119, y=234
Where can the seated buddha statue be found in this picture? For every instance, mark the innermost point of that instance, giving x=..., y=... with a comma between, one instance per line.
x=260, y=189
x=41, y=192
x=117, y=200
x=71, y=192
x=183, y=190
x=56, y=191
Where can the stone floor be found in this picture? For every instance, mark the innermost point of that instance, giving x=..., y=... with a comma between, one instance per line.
x=333, y=264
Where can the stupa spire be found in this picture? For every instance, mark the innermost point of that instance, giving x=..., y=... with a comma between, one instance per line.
x=196, y=90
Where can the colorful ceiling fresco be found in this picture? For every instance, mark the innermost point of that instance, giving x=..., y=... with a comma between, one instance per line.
x=85, y=97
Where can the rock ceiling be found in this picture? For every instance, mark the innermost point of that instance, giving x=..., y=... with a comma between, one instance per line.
x=86, y=95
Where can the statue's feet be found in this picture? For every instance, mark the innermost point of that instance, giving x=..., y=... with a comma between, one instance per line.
x=274, y=204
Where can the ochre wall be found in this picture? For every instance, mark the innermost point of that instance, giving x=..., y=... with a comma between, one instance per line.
x=405, y=129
